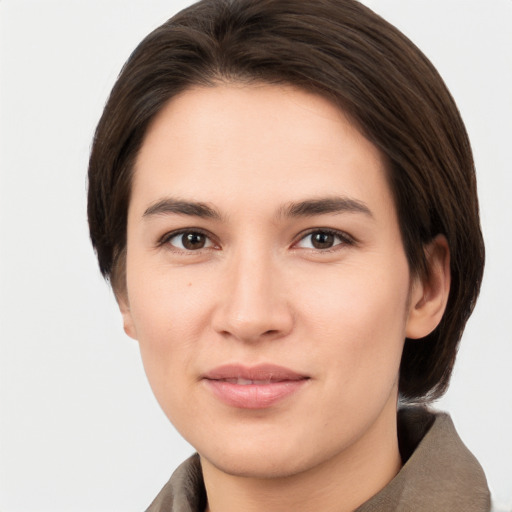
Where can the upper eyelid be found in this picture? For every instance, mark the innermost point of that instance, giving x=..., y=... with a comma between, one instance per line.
x=171, y=234
x=337, y=232
x=300, y=236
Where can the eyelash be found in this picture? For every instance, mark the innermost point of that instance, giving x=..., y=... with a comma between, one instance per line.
x=344, y=239
x=174, y=234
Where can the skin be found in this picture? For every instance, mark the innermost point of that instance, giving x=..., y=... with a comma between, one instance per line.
x=261, y=290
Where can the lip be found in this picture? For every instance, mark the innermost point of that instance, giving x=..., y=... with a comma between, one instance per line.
x=254, y=387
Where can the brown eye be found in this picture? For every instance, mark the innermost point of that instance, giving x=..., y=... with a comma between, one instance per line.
x=189, y=241
x=322, y=240
x=193, y=240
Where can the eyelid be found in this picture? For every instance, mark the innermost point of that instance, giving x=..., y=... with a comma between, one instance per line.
x=165, y=238
x=346, y=239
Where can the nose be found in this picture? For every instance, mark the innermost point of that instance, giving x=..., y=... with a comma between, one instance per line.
x=253, y=304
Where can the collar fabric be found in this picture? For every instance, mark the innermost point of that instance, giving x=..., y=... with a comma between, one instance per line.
x=439, y=473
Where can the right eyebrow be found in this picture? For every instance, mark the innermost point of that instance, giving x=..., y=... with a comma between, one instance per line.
x=171, y=205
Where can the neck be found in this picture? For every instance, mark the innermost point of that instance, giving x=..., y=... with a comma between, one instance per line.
x=340, y=484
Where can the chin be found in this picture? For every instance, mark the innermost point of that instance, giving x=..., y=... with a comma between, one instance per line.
x=258, y=465
x=273, y=458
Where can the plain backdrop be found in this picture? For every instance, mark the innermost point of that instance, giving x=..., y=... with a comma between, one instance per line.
x=79, y=427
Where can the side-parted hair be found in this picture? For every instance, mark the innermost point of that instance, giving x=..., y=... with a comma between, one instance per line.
x=345, y=52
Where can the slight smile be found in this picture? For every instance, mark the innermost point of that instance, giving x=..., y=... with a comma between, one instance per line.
x=256, y=387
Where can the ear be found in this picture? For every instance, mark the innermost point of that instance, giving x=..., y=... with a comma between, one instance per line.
x=124, y=307
x=429, y=294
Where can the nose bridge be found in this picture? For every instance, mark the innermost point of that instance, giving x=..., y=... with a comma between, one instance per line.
x=254, y=305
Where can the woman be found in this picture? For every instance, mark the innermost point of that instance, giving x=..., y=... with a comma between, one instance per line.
x=283, y=197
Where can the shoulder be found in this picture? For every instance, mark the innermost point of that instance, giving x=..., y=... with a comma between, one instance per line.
x=438, y=473
x=184, y=492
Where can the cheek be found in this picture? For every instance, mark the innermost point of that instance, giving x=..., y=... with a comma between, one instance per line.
x=165, y=303
x=367, y=296
x=168, y=312
x=358, y=314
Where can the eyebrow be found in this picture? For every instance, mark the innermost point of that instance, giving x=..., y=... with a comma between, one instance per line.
x=306, y=208
x=311, y=207
x=194, y=209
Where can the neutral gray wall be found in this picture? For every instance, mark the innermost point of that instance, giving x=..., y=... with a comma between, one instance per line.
x=79, y=428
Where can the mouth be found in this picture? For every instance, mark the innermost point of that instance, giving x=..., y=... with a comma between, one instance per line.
x=247, y=382
x=256, y=387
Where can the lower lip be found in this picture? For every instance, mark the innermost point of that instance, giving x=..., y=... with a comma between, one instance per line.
x=254, y=396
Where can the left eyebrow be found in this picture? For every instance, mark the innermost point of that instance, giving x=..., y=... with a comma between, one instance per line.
x=311, y=207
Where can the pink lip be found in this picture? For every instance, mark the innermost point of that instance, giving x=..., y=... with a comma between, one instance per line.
x=272, y=383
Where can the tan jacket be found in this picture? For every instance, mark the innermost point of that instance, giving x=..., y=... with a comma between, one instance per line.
x=439, y=474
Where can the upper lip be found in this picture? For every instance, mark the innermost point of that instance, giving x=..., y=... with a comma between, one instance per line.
x=261, y=372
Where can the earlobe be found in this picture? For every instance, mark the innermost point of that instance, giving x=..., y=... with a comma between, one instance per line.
x=124, y=307
x=429, y=294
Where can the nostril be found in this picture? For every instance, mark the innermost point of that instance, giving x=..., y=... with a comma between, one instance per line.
x=254, y=316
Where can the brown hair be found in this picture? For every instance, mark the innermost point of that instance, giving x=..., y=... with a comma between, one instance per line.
x=345, y=52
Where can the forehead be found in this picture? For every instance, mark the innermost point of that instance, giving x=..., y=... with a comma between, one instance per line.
x=255, y=141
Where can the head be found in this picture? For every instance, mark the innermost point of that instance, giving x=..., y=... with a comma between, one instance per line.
x=339, y=51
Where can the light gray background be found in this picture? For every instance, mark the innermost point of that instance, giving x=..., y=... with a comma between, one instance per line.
x=79, y=427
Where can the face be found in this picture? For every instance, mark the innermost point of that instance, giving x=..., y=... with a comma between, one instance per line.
x=267, y=283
